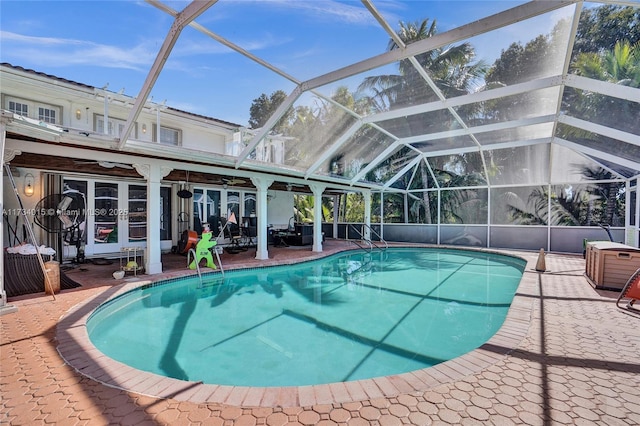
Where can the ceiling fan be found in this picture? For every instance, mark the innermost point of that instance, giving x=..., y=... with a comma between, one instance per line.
x=107, y=164
x=291, y=186
x=232, y=181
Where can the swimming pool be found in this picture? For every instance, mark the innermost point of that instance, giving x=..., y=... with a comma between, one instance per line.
x=346, y=317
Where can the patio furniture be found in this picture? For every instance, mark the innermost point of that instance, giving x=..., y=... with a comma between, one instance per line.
x=631, y=290
x=609, y=264
x=237, y=240
x=23, y=275
x=129, y=260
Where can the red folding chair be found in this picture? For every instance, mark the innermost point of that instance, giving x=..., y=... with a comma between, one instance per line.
x=631, y=290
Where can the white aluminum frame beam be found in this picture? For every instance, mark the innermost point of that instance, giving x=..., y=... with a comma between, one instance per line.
x=471, y=98
x=491, y=147
x=402, y=171
x=277, y=115
x=191, y=12
x=480, y=129
x=381, y=157
x=600, y=129
x=224, y=41
x=250, y=56
x=591, y=152
x=632, y=3
x=481, y=26
x=337, y=144
x=619, y=91
x=342, y=139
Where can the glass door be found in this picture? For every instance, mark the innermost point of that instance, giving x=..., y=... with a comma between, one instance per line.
x=107, y=211
x=165, y=216
x=206, y=209
x=137, y=224
x=119, y=216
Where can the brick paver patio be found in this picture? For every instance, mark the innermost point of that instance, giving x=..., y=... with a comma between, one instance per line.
x=566, y=355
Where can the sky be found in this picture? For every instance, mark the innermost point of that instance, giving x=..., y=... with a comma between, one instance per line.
x=113, y=42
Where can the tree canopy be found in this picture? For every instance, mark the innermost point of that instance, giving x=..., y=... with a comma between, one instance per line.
x=602, y=51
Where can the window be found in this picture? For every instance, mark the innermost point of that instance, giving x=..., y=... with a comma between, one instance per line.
x=115, y=128
x=233, y=203
x=169, y=136
x=39, y=111
x=249, y=204
x=47, y=115
x=19, y=108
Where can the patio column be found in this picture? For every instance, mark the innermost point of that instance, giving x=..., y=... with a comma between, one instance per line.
x=153, y=173
x=317, y=215
x=262, y=185
x=367, y=214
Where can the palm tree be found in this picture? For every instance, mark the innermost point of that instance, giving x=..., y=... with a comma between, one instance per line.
x=462, y=205
x=619, y=66
x=607, y=192
x=569, y=206
x=450, y=68
x=303, y=209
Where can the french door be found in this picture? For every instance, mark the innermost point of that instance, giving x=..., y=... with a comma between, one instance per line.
x=118, y=216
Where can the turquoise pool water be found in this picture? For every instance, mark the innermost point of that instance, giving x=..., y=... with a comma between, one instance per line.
x=346, y=317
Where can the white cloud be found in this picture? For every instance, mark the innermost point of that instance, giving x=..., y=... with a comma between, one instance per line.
x=7, y=36
x=63, y=52
x=328, y=10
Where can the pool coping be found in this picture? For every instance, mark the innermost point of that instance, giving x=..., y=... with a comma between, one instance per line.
x=77, y=350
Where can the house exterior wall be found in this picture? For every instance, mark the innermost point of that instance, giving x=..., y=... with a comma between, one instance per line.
x=78, y=111
x=81, y=108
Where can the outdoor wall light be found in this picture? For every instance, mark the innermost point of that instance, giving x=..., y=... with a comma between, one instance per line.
x=144, y=128
x=78, y=114
x=29, y=181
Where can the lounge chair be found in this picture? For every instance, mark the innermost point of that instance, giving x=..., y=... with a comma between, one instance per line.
x=631, y=290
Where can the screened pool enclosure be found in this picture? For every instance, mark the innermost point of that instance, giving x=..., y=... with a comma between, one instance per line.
x=518, y=127
x=532, y=148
